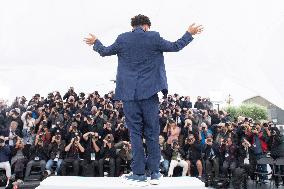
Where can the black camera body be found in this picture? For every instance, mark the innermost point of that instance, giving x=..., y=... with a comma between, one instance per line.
x=1, y=141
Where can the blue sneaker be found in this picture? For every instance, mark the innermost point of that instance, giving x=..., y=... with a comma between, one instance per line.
x=155, y=178
x=134, y=177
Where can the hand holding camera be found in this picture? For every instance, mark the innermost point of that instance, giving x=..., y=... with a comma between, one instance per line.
x=246, y=143
x=2, y=141
x=209, y=141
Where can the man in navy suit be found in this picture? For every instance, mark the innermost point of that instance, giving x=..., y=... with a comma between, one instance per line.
x=140, y=76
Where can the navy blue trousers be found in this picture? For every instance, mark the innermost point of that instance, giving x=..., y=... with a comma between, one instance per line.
x=143, y=116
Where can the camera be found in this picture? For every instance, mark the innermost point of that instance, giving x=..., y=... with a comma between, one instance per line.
x=209, y=140
x=57, y=135
x=190, y=140
x=126, y=146
x=90, y=135
x=121, y=126
x=89, y=118
x=108, y=138
x=82, y=95
x=175, y=144
x=96, y=137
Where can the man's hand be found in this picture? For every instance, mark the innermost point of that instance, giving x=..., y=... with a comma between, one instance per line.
x=192, y=29
x=90, y=40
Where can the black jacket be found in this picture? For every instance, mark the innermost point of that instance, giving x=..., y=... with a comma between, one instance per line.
x=107, y=152
x=207, y=151
x=38, y=151
x=54, y=149
x=192, y=151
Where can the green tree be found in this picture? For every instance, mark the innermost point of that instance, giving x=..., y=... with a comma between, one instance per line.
x=254, y=111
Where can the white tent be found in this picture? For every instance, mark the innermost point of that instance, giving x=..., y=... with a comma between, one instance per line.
x=240, y=52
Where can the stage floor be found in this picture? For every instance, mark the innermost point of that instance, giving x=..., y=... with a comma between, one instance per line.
x=69, y=182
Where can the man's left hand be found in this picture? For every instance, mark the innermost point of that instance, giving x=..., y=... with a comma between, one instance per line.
x=90, y=40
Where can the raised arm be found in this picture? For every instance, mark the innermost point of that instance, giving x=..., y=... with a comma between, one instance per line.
x=100, y=48
x=167, y=46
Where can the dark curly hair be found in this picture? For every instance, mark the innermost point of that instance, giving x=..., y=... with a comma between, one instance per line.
x=140, y=20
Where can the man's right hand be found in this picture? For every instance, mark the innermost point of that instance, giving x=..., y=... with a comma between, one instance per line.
x=192, y=29
x=90, y=40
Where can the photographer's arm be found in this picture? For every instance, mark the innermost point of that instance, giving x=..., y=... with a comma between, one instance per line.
x=67, y=148
x=81, y=148
x=85, y=136
x=38, y=119
x=23, y=118
x=95, y=146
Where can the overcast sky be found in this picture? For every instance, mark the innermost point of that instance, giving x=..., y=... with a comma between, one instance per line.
x=240, y=51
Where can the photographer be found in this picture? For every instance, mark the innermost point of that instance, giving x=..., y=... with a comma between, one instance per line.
x=44, y=133
x=28, y=126
x=11, y=134
x=165, y=155
x=203, y=132
x=219, y=134
x=100, y=119
x=124, y=156
x=177, y=159
x=73, y=150
x=20, y=154
x=55, y=152
x=245, y=156
x=108, y=155
x=205, y=117
x=90, y=164
x=55, y=116
x=107, y=129
x=259, y=138
x=88, y=125
x=4, y=158
x=192, y=150
x=70, y=92
x=121, y=133
x=113, y=117
x=172, y=131
x=72, y=131
x=229, y=154
x=78, y=118
x=189, y=128
x=186, y=103
x=212, y=154
x=38, y=156
x=62, y=130
x=14, y=115
x=276, y=146
x=198, y=104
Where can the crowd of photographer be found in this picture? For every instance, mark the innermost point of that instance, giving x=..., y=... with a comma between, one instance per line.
x=87, y=135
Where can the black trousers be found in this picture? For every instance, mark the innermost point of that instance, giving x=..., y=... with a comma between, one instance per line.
x=119, y=161
x=90, y=168
x=75, y=165
x=111, y=163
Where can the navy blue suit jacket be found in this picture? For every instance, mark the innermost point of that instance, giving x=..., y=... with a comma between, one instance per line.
x=141, y=70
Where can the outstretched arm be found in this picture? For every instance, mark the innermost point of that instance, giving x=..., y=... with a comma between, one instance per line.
x=100, y=48
x=167, y=46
